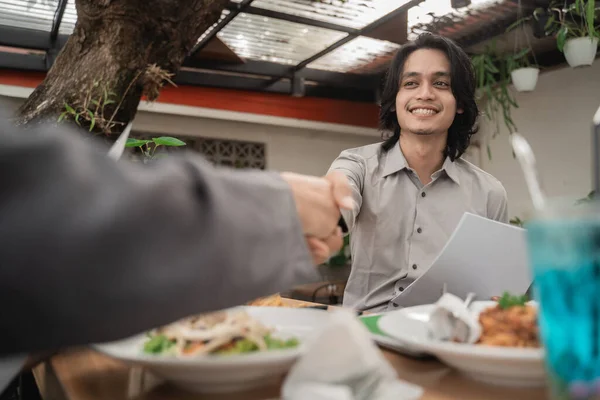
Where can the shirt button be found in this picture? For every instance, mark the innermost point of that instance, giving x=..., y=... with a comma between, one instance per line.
x=423, y=194
x=414, y=266
x=395, y=305
x=401, y=289
x=419, y=230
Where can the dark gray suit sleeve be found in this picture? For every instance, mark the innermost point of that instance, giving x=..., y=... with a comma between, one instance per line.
x=93, y=250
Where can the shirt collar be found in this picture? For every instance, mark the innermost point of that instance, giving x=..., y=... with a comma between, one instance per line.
x=451, y=169
x=395, y=162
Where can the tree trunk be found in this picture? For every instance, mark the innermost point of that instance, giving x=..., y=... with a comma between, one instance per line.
x=119, y=51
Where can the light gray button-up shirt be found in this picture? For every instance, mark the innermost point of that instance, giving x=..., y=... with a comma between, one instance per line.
x=399, y=225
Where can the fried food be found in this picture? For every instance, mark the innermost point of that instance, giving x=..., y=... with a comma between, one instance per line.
x=269, y=301
x=512, y=326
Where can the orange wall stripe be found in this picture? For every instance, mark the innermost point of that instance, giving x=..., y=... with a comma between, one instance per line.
x=306, y=108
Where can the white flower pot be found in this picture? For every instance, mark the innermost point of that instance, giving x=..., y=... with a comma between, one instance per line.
x=581, y=51
x=525, y=79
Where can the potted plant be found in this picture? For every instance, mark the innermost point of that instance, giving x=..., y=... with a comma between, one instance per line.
x=493, y=91
x=576, y=31
x=523, y=74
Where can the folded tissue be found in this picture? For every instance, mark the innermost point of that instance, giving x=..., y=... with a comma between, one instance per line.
x=453, y=320
x=343, y=363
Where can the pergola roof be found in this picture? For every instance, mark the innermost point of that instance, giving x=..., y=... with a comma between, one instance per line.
x=325, y=48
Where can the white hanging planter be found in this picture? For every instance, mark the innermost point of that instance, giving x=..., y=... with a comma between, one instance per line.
x=525, y=79
x=581, y=51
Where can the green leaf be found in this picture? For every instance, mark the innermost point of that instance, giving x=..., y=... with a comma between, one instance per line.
x=107, y=102
x=574, y=8
x=158, y=344
x=92, y=120
x=551, y=21
x=522, y=53
x=70, y=109
x=62, y=116
x=136, y=142
x=515, y=24
x=491, y=66
x=590, y=17
x=508, y=301
x=561, y=38
x=168, y=141
x=275, y=343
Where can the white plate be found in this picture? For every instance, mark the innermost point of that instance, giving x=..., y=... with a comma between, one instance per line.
x=518, y=367
x=228, y=373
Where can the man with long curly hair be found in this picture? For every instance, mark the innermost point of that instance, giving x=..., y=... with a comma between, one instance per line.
x=412, y=189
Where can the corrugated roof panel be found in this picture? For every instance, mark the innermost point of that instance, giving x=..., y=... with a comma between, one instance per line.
x=360, y=55
x=268, y=39
x=351, y=13
x=224, y=14
x=69, y=18
x=28, y=14
x=420, y=16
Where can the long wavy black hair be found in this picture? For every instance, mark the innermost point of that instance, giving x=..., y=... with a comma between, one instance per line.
x=462, y=78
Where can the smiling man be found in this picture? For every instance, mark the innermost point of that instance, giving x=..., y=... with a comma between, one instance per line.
x=411, y=190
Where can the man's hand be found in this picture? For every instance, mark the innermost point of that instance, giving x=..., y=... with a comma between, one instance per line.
x=321, y=250
x=318, y=202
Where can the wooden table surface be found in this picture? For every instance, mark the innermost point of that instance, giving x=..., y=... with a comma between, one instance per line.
x=83, y=374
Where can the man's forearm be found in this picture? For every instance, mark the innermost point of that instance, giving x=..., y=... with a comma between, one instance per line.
x=93, y=251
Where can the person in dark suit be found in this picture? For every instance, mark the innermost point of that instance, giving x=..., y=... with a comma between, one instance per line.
x=92, y=250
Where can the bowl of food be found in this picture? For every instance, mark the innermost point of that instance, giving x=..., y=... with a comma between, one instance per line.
x=231, y=350
x=507, y=351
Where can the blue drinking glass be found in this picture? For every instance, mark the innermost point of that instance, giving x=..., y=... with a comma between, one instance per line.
x=564, y=252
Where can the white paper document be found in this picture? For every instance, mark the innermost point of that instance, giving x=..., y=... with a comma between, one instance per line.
x=10, y=368
x=482, y=256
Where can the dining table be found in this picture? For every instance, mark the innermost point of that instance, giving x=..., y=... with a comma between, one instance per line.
x=84, y=374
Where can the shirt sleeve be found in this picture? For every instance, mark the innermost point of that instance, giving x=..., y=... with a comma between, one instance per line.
x=498, y=204
x=353, y=166
x=94, y=250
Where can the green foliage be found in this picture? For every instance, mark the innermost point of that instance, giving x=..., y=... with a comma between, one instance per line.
x=590, y=197
x=158, y=344
x=508, y=301
x=519, y=60
x=517, y=222
x=148, y=147
x=492, y=73
x=578, y=19
x=90, y=113
x=342, y=258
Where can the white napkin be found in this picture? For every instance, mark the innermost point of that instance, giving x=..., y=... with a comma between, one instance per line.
x=442, y=324
x=343, y=363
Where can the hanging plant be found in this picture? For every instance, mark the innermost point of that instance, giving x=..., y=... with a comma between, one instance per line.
x=524, y=74
x=493, y=91
x=576, y=29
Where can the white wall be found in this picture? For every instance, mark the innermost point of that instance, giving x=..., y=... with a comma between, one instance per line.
x=306, y=151
x=291, y=149
x=556, y=119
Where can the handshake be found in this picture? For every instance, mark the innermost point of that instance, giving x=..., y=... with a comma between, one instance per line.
x=318, y=202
